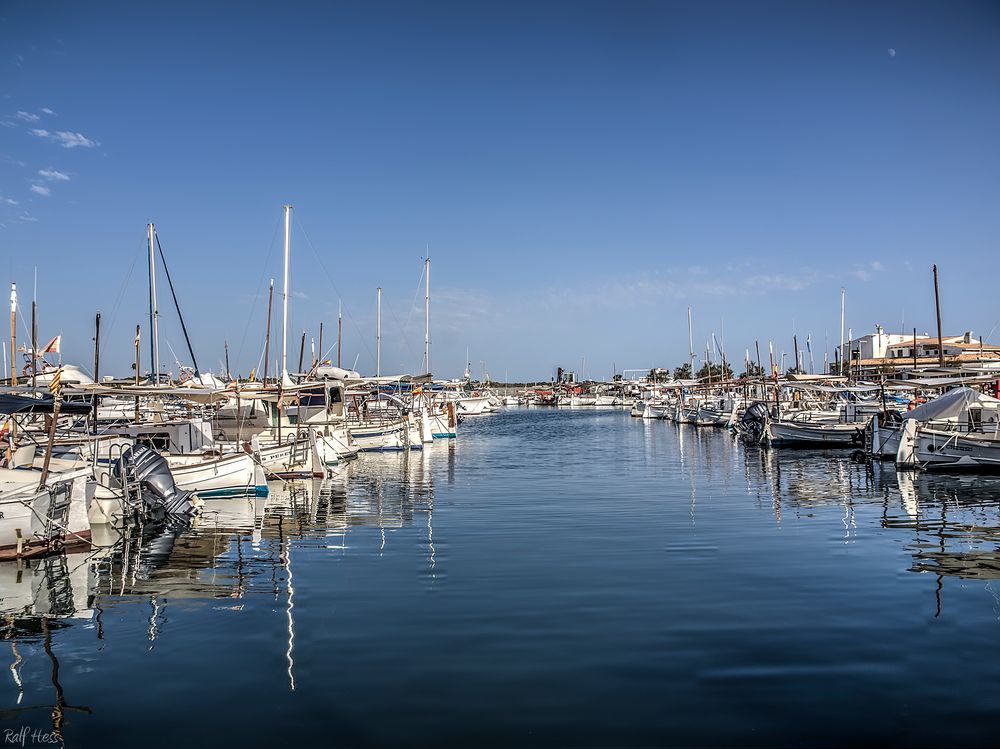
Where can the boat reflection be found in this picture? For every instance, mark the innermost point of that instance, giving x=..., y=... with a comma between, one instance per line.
x=237, y=547
x=953, y=520
x=38, y=598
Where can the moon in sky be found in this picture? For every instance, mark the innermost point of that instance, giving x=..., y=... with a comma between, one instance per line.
x=892, y=52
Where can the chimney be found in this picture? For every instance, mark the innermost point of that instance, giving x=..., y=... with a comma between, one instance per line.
x=968, y=336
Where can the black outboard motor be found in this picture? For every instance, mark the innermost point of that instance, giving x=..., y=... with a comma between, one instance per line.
x=753, y=423
x=142, y=466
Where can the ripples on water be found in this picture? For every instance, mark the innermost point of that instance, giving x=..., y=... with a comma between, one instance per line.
x=553, y=577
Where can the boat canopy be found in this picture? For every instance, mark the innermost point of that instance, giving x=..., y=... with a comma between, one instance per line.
x=951, y=404
x=18, y=404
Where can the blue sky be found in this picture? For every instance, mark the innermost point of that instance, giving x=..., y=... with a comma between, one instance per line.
x=582, y=172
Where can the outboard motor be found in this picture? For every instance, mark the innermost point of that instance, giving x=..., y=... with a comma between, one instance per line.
x=753, y=423
x=142, y=466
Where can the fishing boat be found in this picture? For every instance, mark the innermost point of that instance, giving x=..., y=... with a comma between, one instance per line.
x=806, y=432
x=960, y=430
x=37, y=519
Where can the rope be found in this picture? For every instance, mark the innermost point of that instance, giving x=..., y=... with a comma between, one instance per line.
x=177, y=305
x=334, y=285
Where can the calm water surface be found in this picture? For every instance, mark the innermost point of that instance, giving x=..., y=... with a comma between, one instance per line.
x=551, y=578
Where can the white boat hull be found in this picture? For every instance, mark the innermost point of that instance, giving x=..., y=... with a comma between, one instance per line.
x=227, y=476
x=388, y=436
x=950, y=450
x=820, y=435
x=33, y=522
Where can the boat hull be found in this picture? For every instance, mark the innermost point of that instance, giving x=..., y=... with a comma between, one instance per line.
x=815, y=435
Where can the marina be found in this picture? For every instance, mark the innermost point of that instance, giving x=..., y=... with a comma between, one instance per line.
x=658, y=569
x=664, y=543
x=530, y=374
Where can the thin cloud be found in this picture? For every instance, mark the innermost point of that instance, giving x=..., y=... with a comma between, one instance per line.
x=8, y=201
x=28, y=116
x=41, y=190
x=53, y=176
x=46, y=110
x=65, y=138
x=26, y=218
x=8, y=123
x=866, y=272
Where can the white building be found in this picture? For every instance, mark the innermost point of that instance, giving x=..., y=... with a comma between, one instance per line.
x=876, y=345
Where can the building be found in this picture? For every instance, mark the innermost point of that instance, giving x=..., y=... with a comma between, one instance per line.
x=893, y=353
x=875, y=345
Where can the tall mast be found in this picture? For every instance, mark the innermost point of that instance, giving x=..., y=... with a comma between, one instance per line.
x=690, y=343
x=340, y=329
x=154, y=313
x=378, y=332
x=841, y=330
x=13, y=335
x=284, y=296
x=267, y=333
x=34, y=343
x=427, y=314
x=937, y=309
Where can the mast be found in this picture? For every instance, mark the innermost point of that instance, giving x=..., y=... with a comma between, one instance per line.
x=34, y=343
x=340, y=329
x=13, y=334
x=97, y=363
x=284, y=295
x=690, y=344
x=937, y=308
x=378, y=332
x=427, y=314
x=153, y=311
x=841, y=330
x=267, y=333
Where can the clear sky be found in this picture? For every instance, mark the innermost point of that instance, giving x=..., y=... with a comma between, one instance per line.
x=581, y=172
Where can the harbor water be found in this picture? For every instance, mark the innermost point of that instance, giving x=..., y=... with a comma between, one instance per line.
x=553, y=577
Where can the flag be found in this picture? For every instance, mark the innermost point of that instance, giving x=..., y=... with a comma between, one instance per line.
x=54, y=383
x=52, y=347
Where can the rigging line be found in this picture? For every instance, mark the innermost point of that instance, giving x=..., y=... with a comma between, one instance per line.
x=177, y=306
x=406, y=338
x=118, y=302
x=413, y=304
x=357, y=328
x=992, y=330
x=260, y=285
